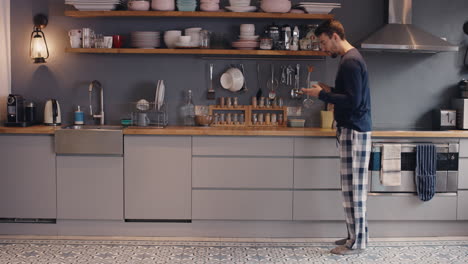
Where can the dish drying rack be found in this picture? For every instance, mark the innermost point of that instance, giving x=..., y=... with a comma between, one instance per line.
x=157, y=118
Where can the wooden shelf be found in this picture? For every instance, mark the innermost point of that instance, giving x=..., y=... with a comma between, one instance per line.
x=80, y=14
x=200, y=52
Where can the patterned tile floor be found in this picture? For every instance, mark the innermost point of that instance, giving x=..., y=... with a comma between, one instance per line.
x=113, y=250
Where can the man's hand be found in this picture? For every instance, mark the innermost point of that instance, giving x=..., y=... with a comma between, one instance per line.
x=314, y=91
x=325, y=87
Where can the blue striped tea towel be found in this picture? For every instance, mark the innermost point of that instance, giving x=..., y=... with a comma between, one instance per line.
x=426, y=161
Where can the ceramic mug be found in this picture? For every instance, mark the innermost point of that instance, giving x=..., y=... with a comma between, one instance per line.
x=117, y=41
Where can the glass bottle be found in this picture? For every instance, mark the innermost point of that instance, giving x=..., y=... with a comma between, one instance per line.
x=188, y=111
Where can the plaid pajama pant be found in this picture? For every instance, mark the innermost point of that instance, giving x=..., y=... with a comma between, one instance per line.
x=355, y=149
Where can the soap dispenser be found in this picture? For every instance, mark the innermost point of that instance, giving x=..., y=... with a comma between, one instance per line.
x=79, y=116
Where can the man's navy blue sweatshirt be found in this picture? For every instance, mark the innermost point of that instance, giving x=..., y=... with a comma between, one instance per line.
x=351, y=94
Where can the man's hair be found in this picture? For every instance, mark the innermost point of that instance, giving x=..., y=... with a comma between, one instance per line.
x=329, y=27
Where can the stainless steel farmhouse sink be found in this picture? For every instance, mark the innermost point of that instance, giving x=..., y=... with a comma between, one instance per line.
x=89, y=139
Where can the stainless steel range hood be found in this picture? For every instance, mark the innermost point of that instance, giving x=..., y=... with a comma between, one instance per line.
x=400, y=35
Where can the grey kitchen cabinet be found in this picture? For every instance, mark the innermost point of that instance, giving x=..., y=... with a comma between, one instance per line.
x=242, y=172
x=410, y=207
x=462, y=205
x=157, y=177
x=463, y=173
x=242, y=204
x=27, y=178
x=463, y=148
x=317, y=173
x=318, y=205
x=315, y=147
x=90, y=187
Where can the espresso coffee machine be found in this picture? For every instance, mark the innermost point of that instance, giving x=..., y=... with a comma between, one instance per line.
x=15, y=112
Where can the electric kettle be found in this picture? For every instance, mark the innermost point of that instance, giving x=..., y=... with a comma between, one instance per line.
x=52, y=115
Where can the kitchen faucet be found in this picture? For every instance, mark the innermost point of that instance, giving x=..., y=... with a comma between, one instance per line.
x=101, y=115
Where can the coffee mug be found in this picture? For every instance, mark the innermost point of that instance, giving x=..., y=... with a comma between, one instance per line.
x=143, y=119
x=74, y=32
x=75, y=41
x=117, y=41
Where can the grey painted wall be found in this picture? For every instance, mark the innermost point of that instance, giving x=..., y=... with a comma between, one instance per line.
x=405, y=87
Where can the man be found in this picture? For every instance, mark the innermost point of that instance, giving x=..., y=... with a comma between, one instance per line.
x=351, y=97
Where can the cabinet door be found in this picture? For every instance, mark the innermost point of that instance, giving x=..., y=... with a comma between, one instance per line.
x=90, y=187
x=462, y=205
x=318, y=205
x=464, y=148
x=410, y=207
x=27, y=178
x=317, y=173
x=242, y=204
x=157, y=177
x=463, y=173
x=237, y=172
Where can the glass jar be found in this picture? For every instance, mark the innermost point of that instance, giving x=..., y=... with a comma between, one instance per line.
x=205, y=39
x=266, y=43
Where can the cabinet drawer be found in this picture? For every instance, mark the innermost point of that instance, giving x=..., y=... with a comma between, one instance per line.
x=315, y=147
x=227, y=172
x=260, y=146
x=464, y=148
x=409, y=207
x=318, y=205
x=462, y=205
x=317, y=173
x=463, y=173
x=241, y=205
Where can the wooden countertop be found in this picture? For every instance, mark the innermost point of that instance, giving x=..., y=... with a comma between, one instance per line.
x=39, y=129
x=223, y=131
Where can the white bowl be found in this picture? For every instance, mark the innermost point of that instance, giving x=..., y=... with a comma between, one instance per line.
x=232, y=80
x=171, y=37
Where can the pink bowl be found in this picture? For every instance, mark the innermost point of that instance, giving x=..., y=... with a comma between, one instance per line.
x=209, y=7
x=275, y=6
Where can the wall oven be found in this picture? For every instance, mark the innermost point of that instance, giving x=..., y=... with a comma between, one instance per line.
x=447, y=166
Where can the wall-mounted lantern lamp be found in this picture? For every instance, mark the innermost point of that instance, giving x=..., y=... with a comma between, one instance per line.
x=38, y=44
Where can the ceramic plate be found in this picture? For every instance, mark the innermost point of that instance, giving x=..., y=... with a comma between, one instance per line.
x=161, y=91
x=241, y=8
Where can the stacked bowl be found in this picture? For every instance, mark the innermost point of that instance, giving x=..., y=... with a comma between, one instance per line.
x=145, y=39
x=186, y=5
x=240, y=6
x=163, y=5
x=276, y=6
x=247, y=38
x=209, y=5
x=194, y=34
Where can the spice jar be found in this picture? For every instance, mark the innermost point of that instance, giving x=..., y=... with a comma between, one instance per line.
x=254, y=101
x=254, y=119
x=236, y=102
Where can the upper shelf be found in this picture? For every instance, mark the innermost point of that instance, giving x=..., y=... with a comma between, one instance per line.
x=195, y=14
x=201, y=52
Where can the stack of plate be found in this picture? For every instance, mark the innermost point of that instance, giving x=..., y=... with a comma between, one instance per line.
x=145, y=39
x=93, y=5
x=240, y=6
x=319, y=8
x=186, y=5
x=159, y=95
